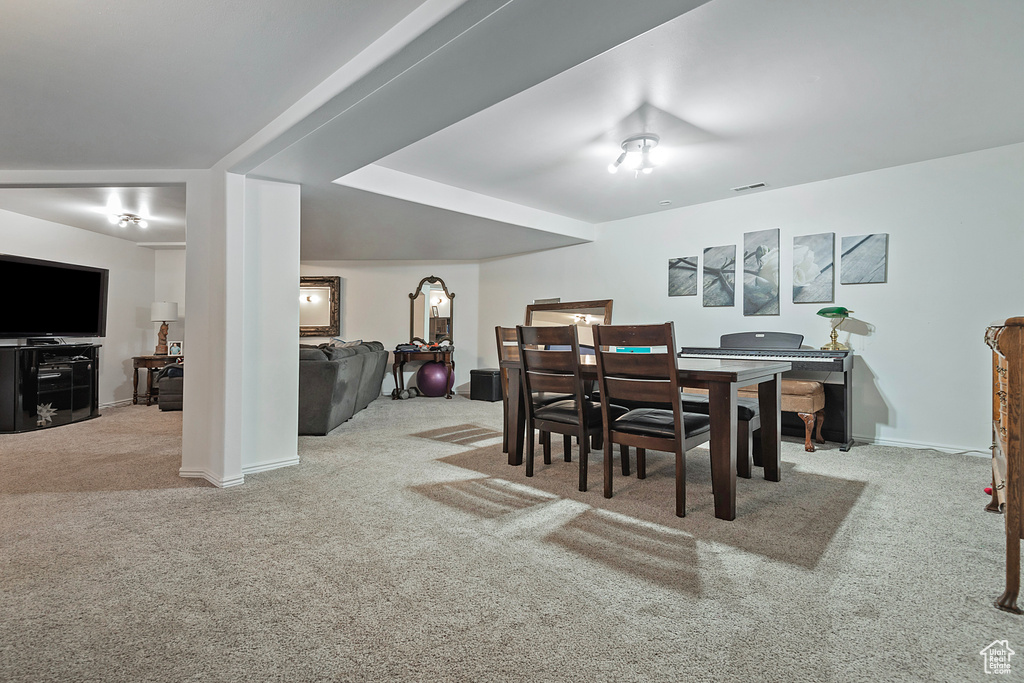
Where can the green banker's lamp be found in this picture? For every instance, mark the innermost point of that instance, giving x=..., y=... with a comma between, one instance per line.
x=838, y=314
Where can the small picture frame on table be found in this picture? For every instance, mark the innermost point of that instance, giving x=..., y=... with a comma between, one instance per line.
x=175, y=348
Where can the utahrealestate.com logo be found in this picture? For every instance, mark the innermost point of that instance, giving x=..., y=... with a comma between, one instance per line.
x=997, y=657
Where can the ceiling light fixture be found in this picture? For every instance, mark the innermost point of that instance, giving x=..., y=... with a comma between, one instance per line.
x=125, y=219
x=636, y=154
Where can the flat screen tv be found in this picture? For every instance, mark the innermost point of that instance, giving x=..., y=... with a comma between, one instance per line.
x=49, y=299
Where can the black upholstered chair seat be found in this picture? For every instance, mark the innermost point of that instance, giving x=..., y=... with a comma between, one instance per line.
x=565, y=412
x=746, y=408
x=660, y=423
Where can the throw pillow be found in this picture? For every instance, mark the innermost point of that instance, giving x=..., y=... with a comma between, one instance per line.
x=342, y=344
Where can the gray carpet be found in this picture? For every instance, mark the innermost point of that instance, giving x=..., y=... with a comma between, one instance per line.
x=403, y=548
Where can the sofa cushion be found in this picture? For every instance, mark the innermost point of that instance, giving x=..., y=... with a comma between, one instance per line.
x=339, y=352
x=306, y=353
x=374, y=369
x=327, y=394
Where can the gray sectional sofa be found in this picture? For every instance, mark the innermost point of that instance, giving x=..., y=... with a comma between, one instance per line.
x=336, y=382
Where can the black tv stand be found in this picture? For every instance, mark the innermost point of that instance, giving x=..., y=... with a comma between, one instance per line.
x=48, y=385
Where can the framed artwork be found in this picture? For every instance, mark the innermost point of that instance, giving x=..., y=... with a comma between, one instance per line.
x=682, y=276
x=175, y=348
x=864, y=259
x=761, y=272
x=720, y=276
x=814, y=276
x=319, y=306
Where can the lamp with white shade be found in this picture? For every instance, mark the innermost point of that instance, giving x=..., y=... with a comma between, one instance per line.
x=163, y=312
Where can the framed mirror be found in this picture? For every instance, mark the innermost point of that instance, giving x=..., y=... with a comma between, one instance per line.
x=431, y=311
x=319, y=306
x=583, y=314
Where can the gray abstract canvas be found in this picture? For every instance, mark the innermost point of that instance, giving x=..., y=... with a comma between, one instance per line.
x=761, y=272
x=864, y=259
x=682, y=276
x=720, y=276
x=813, y=272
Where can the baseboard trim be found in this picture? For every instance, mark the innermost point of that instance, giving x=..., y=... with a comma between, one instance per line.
x=277, y=464
x=116, y=404
x=216, y=481
x=942, y=448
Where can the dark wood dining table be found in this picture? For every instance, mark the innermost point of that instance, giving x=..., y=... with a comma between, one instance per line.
x=721, y=378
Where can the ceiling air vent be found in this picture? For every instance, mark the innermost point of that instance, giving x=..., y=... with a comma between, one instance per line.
x=744, y=188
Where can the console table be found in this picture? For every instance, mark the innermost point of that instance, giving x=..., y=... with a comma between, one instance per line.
x=149, y=364
x=402, y=357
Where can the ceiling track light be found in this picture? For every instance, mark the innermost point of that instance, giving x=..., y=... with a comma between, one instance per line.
x=125, y=219
x=636, y=149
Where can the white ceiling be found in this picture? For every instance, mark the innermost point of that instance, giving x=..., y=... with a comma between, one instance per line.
x=524, y=102
x=90, y=208
x=121, y=84
x=744, y=91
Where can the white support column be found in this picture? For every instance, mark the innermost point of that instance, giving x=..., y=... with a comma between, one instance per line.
x=269, y=332
x=242, y=289
x=211, y=443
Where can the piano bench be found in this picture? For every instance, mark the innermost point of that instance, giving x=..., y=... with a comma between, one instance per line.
x=804, y=397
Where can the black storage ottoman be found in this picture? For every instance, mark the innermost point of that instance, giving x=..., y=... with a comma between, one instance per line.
x=485, y=384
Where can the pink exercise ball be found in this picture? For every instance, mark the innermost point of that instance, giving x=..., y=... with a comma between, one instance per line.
x=433, y=379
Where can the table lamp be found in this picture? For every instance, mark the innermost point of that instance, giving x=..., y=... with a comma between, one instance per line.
x=838, y=314
x=163, y=312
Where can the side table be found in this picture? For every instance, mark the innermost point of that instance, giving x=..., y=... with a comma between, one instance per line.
x=402, y=357
x=149, y=363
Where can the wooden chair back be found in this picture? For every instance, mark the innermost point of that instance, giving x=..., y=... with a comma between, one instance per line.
x=552, y=370
x=630, y=377
x=508, y=350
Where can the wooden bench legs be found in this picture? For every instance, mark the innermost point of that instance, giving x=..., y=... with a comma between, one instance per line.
x=809, y=422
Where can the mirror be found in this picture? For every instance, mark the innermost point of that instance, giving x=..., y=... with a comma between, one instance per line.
x=583, y=314
x=319, y=306
x=430, y=311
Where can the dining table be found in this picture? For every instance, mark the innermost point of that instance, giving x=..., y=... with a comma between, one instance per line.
x=722, y=378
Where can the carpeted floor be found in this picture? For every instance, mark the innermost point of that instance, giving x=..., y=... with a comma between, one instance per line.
x=404, y=548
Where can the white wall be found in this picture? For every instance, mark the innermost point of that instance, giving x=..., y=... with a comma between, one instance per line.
x=922, y=371
x=169, y=285
x=130, y=289
x=375, y=305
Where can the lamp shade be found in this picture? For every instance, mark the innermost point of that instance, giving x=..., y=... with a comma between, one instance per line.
x=163, y=311
x=835, y=312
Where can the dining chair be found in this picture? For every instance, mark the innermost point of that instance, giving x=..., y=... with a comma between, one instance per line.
x=626, y=376
x=550, y=358
x=508, y=350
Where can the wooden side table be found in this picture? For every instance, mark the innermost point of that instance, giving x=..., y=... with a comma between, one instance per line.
x=402, y=357
x=149, y=363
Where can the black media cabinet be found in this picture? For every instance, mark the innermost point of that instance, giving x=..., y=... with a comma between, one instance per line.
x=47, y=386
